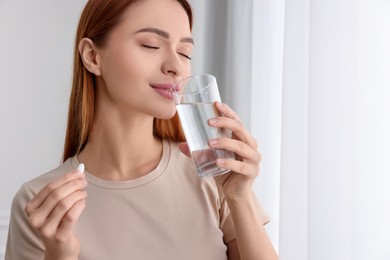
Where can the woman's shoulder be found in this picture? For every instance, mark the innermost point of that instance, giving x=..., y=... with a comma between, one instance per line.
x=33, y=186
x=30, y=188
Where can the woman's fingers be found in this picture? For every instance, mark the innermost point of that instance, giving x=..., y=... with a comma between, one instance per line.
x=243, y=168
x=58, y=214
x=39, y=215
x=37, y=201
x=240, y=148
x=237, y=128
x=54, y=211
x=242, y=143
x=230, y=120
x=69, y=220
x=248, y=166
x=226, y=111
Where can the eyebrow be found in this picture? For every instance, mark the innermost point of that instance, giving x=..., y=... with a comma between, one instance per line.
x=164, y=34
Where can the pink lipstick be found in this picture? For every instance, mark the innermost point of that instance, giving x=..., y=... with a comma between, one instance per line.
x=164, y=89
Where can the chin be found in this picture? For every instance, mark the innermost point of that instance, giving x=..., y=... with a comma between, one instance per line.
x=166, y=113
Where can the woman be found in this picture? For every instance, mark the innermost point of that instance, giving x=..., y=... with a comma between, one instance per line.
x=144, y=199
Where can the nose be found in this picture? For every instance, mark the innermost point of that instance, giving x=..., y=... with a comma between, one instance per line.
x=172, y=65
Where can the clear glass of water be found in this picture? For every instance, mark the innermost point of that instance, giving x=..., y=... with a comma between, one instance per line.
x=194, y=98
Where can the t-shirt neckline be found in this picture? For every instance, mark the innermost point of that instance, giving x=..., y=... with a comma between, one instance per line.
x=129, y=184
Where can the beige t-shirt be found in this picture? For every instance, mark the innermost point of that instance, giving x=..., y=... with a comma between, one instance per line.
x=170, y=213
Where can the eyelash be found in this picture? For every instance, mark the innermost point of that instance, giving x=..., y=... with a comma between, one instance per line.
x=156, y=48
x=150, y=47
x=185, y=56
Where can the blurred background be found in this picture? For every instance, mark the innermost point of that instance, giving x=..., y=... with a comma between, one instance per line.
x=309, y=78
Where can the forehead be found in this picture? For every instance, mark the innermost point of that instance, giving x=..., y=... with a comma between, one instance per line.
x=168, y=15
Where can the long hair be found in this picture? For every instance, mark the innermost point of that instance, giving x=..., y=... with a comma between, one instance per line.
x=97, y=20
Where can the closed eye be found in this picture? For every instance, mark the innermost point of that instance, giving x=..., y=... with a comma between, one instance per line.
x=150, y=47
x=156, y=48
x=185, y=56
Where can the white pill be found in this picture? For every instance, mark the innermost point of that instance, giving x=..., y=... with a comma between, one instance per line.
x=81, y=167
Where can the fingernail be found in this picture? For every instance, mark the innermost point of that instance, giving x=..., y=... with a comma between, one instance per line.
x=81, y=168
x=220, y=162
x=213, y=121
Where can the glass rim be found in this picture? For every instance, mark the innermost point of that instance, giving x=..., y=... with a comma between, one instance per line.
x=213, y=80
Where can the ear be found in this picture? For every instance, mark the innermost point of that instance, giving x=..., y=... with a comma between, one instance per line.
x=90, y=57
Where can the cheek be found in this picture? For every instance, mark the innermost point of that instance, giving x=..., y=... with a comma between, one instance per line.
x=119, y=68
x=187, y=71
x=124, y=70
x=119, y=74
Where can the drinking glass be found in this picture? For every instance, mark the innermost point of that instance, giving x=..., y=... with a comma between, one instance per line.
x=194, y=98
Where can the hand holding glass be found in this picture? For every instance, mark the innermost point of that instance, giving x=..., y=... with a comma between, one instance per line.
x=194, y=98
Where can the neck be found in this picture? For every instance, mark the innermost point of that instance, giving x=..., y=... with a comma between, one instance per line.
x=121, y=147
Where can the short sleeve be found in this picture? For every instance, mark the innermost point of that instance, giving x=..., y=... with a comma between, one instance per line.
x=23, y=241
x=226, y=221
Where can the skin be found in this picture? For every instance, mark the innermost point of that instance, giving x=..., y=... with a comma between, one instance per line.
x=121, y=145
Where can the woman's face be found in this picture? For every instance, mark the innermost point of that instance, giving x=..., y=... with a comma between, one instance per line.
x=144, y=55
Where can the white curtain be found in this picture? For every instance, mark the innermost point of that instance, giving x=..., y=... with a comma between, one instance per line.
x=311, y=80
x=241, y=42
x=335, y=178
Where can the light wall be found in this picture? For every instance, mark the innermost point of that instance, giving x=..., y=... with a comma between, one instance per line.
x=36, y=50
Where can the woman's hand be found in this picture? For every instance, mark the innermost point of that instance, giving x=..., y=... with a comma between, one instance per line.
x=252, y=241
x=54, y=211
x=236, y=184
x=245, y=168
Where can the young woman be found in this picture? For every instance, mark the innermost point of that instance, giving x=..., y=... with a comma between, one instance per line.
x=145, y=200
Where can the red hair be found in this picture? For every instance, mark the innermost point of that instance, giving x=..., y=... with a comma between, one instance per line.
x=97, y=20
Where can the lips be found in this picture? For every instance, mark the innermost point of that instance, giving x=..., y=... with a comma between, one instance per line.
x=165, y=86
x=164, y=89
